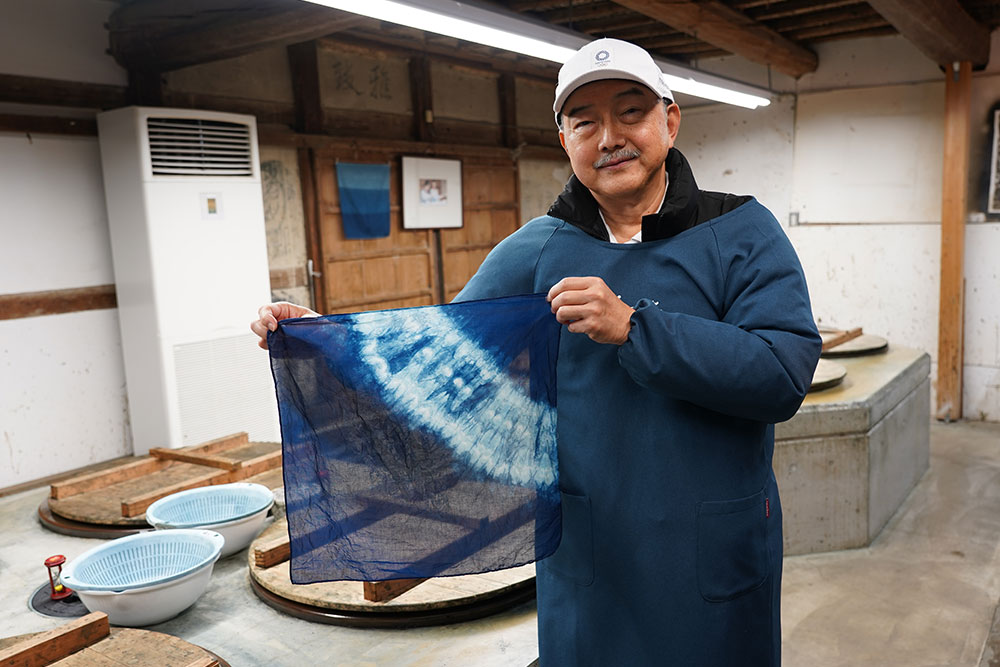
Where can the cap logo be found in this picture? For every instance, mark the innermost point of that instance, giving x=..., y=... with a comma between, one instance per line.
x=602, y=57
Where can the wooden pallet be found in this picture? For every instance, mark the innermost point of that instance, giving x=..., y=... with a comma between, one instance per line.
x=119, y=496
x=385, y=604
x=277, y=550
x=89, y=641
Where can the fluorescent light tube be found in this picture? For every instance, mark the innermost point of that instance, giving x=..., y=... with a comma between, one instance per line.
x=510, y=32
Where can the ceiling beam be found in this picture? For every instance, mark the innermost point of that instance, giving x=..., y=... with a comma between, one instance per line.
x=941, y=29
x=167, y=35
x=718, y=24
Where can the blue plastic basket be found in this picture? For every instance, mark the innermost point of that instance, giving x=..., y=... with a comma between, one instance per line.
x=208, y=505
x=141, y=560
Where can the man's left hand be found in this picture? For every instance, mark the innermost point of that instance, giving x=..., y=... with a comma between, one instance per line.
x=587, y=305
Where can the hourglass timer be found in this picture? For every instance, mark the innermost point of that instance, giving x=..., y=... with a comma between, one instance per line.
x=58, y=591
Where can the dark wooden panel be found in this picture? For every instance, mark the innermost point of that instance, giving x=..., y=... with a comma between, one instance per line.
x=48, y=125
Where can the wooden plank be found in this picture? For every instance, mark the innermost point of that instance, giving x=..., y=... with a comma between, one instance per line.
x=221, y=444
x=257, y=465
x=209, y=460
x=941, y=29
x=54, y=302
x=103, y=478
x=716, y=23
x=47, y=647
x=383, y=591
x=136, y=505
x=273, y=552
x=203, y=662
x=841, y=337
x=129, y=646
x=951, y=310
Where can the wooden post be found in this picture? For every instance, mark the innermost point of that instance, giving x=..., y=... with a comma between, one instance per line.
x=422, y=99
x=304, y=67
x=951, y=312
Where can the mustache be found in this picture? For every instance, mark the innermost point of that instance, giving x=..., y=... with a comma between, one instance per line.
x=618, y=156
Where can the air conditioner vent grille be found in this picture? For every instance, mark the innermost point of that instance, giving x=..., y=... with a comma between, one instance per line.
x=198, y=147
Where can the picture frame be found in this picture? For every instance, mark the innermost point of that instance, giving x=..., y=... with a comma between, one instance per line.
x=993, y=199
x=432, y=193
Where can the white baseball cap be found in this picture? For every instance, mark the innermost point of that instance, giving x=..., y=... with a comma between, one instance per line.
x=608, y=59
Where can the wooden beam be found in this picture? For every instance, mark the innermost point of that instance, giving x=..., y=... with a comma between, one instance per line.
x=951, y=311
x=941, y=29
x=38, y=90
x=147, y=36
x=51, y=646
x=54, y=302
x=304, y=66
x=48, y=125
x=718, y=24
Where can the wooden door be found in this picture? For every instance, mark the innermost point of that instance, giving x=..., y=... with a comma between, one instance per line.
x=410, y=267
x=490, y=214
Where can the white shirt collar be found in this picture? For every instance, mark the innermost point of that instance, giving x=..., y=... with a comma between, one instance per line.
x=638, y=237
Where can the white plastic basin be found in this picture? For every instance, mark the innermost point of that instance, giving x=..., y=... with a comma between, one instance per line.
x=236, y=511
x=146, y=578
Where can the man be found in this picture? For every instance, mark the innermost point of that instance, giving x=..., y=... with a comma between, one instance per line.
x=690, y=335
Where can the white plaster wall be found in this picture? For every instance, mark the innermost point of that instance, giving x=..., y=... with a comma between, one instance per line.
x=742, y=151
x=53, y=223
x=863, y=163
x=541, y=181
x=62, y=382
x=58, y=39
x=869, y=155
x=62, y=394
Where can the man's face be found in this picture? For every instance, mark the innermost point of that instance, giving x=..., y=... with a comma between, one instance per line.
x=617, y=135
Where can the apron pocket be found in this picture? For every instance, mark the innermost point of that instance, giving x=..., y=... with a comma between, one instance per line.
x=574, y=559
x=732, y=547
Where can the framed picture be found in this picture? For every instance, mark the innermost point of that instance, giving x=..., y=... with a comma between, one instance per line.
x=993, y=202
x=432, y=193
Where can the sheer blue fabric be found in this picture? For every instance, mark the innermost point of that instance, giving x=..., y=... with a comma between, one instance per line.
x=419, y=442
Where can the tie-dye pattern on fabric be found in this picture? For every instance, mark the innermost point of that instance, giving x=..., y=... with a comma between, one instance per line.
x=419, y=442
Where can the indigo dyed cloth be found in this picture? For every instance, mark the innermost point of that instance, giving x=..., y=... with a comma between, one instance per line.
x=364, y=199
x=419, y=442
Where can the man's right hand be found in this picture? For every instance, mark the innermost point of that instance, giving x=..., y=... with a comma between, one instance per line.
x=268, y=316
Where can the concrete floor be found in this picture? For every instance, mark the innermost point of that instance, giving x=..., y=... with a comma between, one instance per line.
x=924, y=593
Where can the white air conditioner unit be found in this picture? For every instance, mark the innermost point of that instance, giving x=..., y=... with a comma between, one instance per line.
x=190, y=253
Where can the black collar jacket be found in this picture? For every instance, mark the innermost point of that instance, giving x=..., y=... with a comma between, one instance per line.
x=684, y=206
